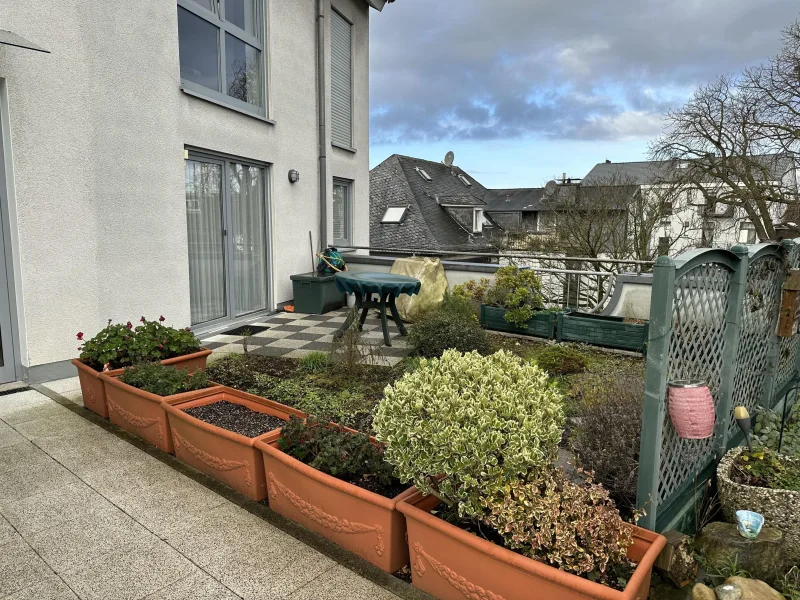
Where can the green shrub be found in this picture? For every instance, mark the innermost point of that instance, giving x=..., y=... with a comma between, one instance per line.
x=163, y=380
x=767, y=430
x=452, y=326
x=517, y=290
x=118, y=345
x=572, y=526
x=314, y=362
x=562, y=360
x=478, y=421
x=347, y=456
x=607, y=434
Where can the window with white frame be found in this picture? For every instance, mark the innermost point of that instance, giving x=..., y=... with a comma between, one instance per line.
x=222, y=52
x=423, y=173
x=341, y=81
x=463, y=178
x=342, y=212
x=747, y=233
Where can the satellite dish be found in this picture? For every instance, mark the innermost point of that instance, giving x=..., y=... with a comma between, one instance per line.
x=551, y=187
x=449, y=158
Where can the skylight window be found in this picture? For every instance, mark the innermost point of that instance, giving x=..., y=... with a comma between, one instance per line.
x=464, y=180
x=394, y=214
x=424, y=174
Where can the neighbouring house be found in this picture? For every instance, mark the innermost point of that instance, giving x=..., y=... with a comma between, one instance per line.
x=171, y=158
x=690, y=213
x=421, y=204
x=517, y=210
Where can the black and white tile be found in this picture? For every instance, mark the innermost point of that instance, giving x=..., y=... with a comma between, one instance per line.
x=294, y=335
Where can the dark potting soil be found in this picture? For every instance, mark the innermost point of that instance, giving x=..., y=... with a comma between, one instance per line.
x=617, y=575
x=387, y=491
x=236, y=418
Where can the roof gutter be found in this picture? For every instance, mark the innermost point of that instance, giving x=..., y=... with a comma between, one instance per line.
x=323, y=130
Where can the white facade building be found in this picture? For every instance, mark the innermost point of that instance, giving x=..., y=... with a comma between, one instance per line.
x=148, y=162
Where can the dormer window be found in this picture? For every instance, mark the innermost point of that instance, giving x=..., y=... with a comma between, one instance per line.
x=477, y=220
x=464, y=180
x=423, y=174
x=394, y=214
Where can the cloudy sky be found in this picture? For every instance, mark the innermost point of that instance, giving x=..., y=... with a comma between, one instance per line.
x=524, y=90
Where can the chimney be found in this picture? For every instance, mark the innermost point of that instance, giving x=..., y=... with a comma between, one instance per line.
x=563, y=178
x=608, y=162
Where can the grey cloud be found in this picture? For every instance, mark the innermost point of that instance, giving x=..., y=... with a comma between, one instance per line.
x=497, y=69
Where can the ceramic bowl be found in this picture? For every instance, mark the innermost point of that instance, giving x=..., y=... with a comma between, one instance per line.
x=749, y=523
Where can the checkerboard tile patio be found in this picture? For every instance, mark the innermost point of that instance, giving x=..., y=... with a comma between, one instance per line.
x=295, y=335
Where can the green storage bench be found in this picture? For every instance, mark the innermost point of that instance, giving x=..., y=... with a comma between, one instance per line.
x=316, y=293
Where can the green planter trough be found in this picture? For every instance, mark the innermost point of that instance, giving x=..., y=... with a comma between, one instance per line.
x=541, y=325
x=598, y=330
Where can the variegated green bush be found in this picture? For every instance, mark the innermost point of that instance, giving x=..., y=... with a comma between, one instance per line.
x=463, y=426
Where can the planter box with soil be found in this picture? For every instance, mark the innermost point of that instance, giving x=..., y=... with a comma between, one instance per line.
x=542, y=324
x=93, y=388
x=216, y=434
x=599, y=330
x=452, y=564
x=363, y=520
x=141, y=413
x=781, y=508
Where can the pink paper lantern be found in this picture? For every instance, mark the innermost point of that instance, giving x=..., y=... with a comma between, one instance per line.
x=691, y=409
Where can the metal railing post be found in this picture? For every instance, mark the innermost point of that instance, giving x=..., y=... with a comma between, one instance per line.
x=730, y=356
x=655, y=389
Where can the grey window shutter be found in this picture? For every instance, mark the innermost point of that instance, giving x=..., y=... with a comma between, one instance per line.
x=341, y=81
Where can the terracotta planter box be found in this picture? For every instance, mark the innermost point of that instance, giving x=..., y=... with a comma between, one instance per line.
x=141, y=413
x=93, y=389
x=452, y=564
x=358, y=520
x=224, y=455
x=363, y=522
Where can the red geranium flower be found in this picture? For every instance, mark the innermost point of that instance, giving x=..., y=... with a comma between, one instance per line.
x=161, y=318
x=80, y=336
x=129, y=325
x=143, y=320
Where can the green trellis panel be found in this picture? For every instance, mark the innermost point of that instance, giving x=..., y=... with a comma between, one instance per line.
x=713, y=317
x=541, y=325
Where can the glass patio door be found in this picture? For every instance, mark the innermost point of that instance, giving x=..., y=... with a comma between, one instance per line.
x=227, y=229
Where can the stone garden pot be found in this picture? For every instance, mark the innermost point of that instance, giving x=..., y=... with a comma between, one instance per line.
x=361, y=521
x=93, y=388
x=141, y=413
x=226, y=456
x=781, y=508
x=452, y=564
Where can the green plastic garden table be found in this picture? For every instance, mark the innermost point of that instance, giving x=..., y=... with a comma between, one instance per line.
x=364, y=286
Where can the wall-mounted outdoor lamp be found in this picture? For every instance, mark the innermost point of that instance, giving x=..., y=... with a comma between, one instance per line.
x=294, y=176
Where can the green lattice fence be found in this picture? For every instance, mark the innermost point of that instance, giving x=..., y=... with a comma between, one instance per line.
x=713, y=317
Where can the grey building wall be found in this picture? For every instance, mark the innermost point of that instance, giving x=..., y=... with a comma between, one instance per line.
x=98, y=131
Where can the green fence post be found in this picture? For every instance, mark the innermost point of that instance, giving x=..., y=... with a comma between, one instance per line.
x=730, y=357
x=559, y=326
x=655, y=388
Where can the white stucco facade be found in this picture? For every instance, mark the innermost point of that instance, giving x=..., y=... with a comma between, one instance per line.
x=95, y=150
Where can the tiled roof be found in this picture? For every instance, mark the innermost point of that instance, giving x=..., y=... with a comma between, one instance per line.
x=396, y=182
x=514, y=200
x=651, y=172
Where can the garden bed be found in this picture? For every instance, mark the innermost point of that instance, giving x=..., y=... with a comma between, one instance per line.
x=223, y=454
x=348, y=399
